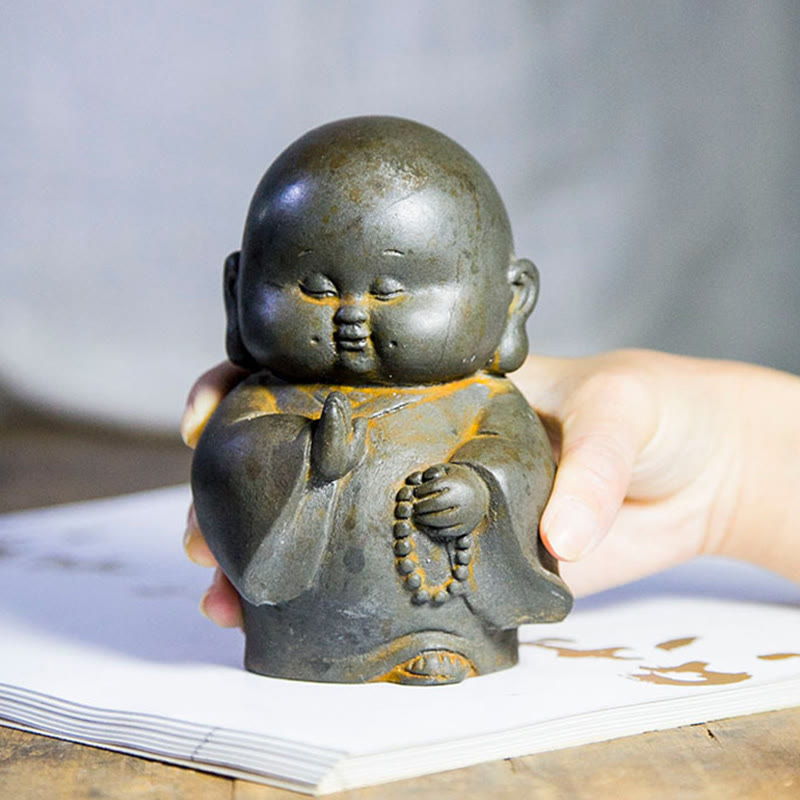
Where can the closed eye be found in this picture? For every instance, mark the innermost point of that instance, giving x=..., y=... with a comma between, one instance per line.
x=386, y=288
x=318, y=286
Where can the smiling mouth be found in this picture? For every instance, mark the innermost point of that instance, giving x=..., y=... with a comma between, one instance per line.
x=354, y=344
x=353, y=338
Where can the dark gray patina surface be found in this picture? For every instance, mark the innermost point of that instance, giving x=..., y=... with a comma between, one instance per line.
x=374, y=489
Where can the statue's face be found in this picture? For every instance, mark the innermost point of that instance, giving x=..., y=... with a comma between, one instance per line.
x=396, y=290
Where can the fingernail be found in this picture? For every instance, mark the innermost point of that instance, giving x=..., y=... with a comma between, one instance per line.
x=190, y=537
x=203, y=601
x=196, y=549
x=218, y=620
x=571, y=529
x=187, y=539
x=205, y=610
x=221, y=612
x=191, y=526
x=197, y=415
x=195, y=554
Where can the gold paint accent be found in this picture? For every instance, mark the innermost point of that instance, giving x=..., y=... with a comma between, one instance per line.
x=573, y=652
x=779, y=656
x=405, y=673
x=697, y=673
x=674, y=644
x=269, y=399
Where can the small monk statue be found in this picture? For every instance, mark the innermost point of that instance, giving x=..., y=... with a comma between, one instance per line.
x=373, y=489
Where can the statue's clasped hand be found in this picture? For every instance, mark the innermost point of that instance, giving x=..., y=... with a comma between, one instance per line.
x=338, y=442
x=450, y=501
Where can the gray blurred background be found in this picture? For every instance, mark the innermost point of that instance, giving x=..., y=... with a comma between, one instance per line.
x=647, y=152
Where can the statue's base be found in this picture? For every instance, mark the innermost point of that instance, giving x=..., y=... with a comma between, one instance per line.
x=423, y=658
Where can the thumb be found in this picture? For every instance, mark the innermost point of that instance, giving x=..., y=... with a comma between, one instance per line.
x=605, y=424
x=590, y=487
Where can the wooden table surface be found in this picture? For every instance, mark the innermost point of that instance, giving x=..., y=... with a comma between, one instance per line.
x=43, y=461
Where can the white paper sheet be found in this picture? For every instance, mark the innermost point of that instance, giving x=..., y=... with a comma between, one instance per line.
x=101, y=642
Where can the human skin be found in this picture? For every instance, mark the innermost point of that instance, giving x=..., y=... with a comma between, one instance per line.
x=661, y=458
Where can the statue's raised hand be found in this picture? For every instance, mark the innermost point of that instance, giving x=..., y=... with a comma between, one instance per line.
x=450, y=501
x=339, y=441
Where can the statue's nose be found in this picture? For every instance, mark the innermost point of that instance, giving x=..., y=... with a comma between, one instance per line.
x=350, y=314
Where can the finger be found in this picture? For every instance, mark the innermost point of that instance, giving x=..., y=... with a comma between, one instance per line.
x=435, y=472
x=329, y=450
x=605, y=426
x=446, y=518
x=221, y=603
x=431, y=487
x=335, y=422
x=194, y=544
x=337, y=409
x=625, y=554
x=205, y=396
x=439, y=502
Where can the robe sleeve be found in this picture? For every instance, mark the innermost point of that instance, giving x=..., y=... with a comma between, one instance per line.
x=267, y=524
x=515, y=578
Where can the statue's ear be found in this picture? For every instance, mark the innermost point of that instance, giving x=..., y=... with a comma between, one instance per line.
x=523, y=277
x=237, y=352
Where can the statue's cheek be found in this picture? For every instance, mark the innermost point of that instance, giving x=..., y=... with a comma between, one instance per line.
x=306, y=337
x=391, y=331
x=293, y=333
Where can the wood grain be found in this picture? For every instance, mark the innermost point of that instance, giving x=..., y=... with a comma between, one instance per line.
x=41, y=768
x=744, y=758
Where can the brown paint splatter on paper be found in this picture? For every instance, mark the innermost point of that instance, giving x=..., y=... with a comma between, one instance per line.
x=674, y=644
x=696, y=674
x=692, y=673
x=573, y=652
x=779, y=656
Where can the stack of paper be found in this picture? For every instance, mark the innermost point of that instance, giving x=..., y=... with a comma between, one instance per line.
x=101, y=643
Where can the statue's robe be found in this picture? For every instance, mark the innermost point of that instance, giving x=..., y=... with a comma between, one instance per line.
x=314, y=561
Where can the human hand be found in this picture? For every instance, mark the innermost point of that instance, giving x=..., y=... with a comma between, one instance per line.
x=449, y=500
x=649, y=459
x=643, y=452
